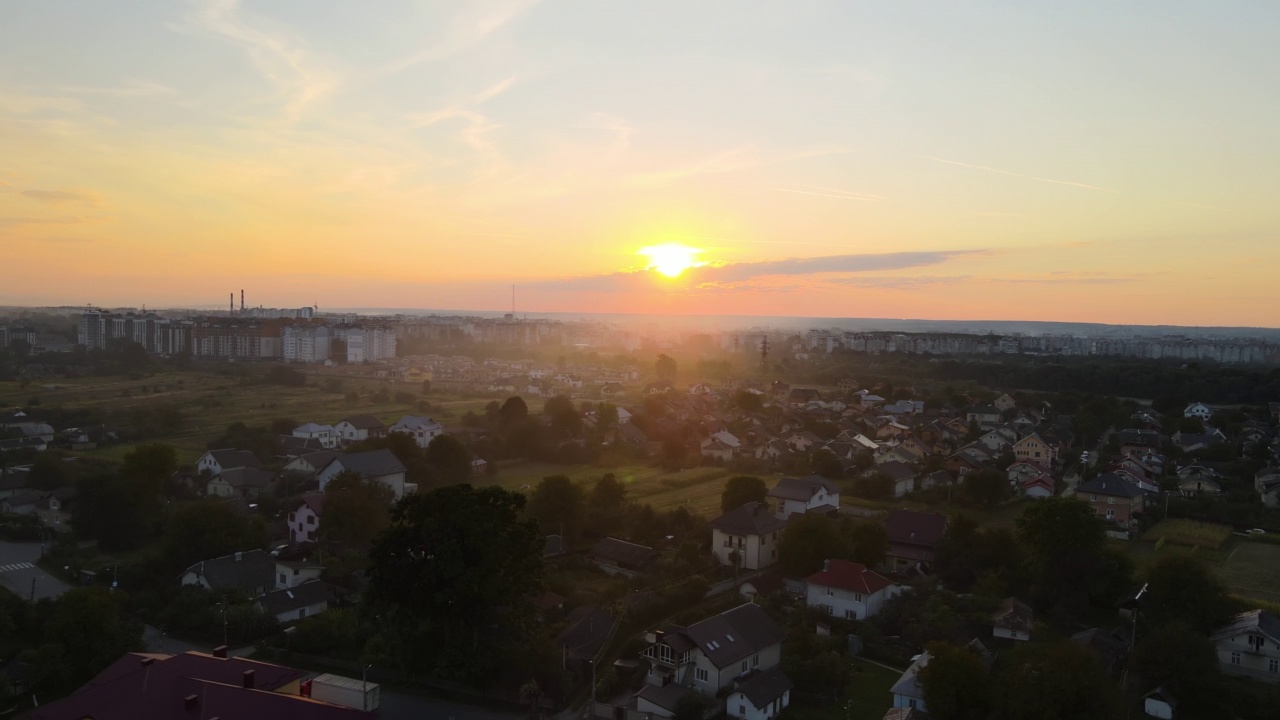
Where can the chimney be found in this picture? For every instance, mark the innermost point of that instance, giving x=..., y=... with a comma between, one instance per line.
x=248, y=679
x=231, y=304
x=239, y=556
x=755, y=511
x=242, y=302
x=826, y=566
x=190, y=702
x=220, y=652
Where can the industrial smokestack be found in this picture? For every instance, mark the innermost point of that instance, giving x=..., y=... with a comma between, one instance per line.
x=231, y=303
x=241, y=301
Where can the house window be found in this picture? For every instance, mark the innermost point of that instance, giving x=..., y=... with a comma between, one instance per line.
x=302, y=612
x=1111, y=501
x=702, y=675
x=742, y=711
x=1111, y=514
x=755, y=661
x=283, y=579
x=1093, y=498
x=1273, y=665
x=850, y=614
x=664, y=653
x=1235, y=658
x=1256, y=642
x=311, y=520
x=830, y=592
x=857, y=597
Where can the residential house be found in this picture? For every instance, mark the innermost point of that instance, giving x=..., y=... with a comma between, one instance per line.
x=715, y=657
x=247, y=482
x=290, y=447
x=310, y=464
x=1025, y=470
x=701, y=389
x=1034, y=448
x=305, y=520
x=253, y=571
x=902, y=475
x=22, y=503
x=1249, y=646
x=1038, y=487
x=422, y=429
x=327, y=435
x=986, y=416
x=760, y=695
x=870, y=401
x=1192, y=442
x=801, y=495
x=749, y=530
x=14, y=481
x=907, y=691
x=1004, y=403
x=380, y=465
x=1198, y=410
x=913, y=539
x=765, y=583
x=359, y=427
x=1199, y=485
x=937, y=478
x=803, y=396
x=193, y=685
x=998, y=440
x=1160, y=704
x=216, y=462
x=619, y=557
x=1013, y=620
x=1112, y=498
x=56, y=508
x=1110, y=648
x=1135, y=441
x=848, y=590
x=1266, y=482
x=804, y=441
x=295, y=602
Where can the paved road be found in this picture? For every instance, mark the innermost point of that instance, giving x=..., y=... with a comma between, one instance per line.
x=18, y=568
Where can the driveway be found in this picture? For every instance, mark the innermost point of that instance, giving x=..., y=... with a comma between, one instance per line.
x=18, y=571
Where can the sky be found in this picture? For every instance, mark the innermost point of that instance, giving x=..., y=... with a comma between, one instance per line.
x=1091, y=161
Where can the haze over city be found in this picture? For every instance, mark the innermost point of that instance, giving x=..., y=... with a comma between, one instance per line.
x=1088, y=163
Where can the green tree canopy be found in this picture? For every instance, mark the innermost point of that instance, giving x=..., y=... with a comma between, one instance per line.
x=807, y=541
x=450, y=459
x=741, y=490
x=1068, y=561
x=513, y=411
x=869, y=539
x=1182, y=589
x=665, y=368
x=956, y=683
x=355, y=512
x=986, y=488
x=1055, y=681
x=208, y=529
x=453, y=580
x=559, y=506
x=1184, y=662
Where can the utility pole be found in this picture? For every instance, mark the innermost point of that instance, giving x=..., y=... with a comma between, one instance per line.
x=33, y=588
x=593, y=688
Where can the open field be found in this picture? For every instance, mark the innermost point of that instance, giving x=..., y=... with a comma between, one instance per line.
x=698, y=489
x=1252, y=570
x=1190, y=533
x=211, y=401
x=866, y=697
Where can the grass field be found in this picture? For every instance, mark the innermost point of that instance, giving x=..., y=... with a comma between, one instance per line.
x=866, y=697
x=1190, y=533
x=698, y=489
x=210, y=402
x=1252, y=570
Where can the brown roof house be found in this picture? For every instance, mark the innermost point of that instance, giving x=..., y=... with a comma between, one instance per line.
x=1013, y=620
x=913, y=539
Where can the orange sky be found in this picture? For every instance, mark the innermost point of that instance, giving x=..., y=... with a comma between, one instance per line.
x=971, y=162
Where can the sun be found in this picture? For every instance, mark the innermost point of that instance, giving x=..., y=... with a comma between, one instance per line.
x=670, y=259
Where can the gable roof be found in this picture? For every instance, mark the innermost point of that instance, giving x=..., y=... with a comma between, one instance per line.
x=315, y=501
x=735, y=634
x=291, y=599
x=371, y=463
x=762, y=688
x=802, y=489
x=247, y=477
x=158, y=690
x=230, y=458
x=623, y=552
x=1253, y=621
x=364, y=422
x=915, y=528
x=896, y=470
x=1014, y=614
x=909, y=684
x=851, y=576
x=1109, y=484
x=751, y=518
x=243, y=570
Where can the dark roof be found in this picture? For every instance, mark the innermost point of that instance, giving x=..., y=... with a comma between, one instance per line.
x=371, y=463
x=589, y=628
x=762, y=688
x=291, y=599
x=128, y=690
x=229, y=458
x=851, y=576
x=623, y=552
x=1110, y=484
x=253, y=569
x=896, y=470
x=293, y=446
x=315, y=501
x=803, y=489
x=364, y=422
x=1014, y=615
x=735, y=634
x=764, y=583
x=247, y=477
x=915, y=528
x=1108, y=647
x=1258, y=621
x=664, y=696
x=15, y=479
x=751, y=518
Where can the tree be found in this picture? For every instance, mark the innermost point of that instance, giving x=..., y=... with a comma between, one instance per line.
x=986, y=488
x=606, y=416
x=826, y=464
x=564, y=417
x=513, y=411
x=449, y=458
x=1181, y=589
x=356, y=511
x=807, y=541
x=690, y=706
x=49, y=472
x=110, y=510
x=452, y=581
x=741, y=490
x=1055, y=681
x=149, y=467
x=748, y=402
x=665, y=368
x=208, y=529
x=869, y=539
x=1183, y=661
x=84, y=632
x=956, y=684
x=1068, y=561
x=559, y=506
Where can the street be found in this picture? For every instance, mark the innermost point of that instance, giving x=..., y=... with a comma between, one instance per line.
x=18, y=568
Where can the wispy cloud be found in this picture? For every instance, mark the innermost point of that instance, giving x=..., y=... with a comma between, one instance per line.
x=59, y=197
x=998, y=171
x=470, y=28
x=127, y=89
x=831, y=193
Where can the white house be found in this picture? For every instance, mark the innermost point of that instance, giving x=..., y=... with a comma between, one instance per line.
x=729, y=651
x=252, y=571
x=848, y=590
x=292, y=574
x=379, y=465
x=326, y=434
x=907, y=692
x=311, y=463
x=1159, y=704
x=749, y=530
x=304, y=521
x=760, y=696
x=216, y=462
x=295, y=603
x=800, y=495
x=359, y=427
x=1198, y=410
x=1033, y=448
x=422, y=429
x=1249, y=646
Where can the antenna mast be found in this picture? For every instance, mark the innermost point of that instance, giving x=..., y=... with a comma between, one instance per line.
x=764, y=354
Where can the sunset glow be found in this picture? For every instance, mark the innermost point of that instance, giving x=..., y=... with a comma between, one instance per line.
x=671, y=259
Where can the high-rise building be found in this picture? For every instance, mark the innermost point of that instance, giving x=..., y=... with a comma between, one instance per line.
x=305, y=343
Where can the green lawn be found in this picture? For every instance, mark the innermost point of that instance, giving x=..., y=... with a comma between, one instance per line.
x=1252, y=570
x=866, y=697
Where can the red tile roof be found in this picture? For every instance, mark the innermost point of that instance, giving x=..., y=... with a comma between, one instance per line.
x=850, y=576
